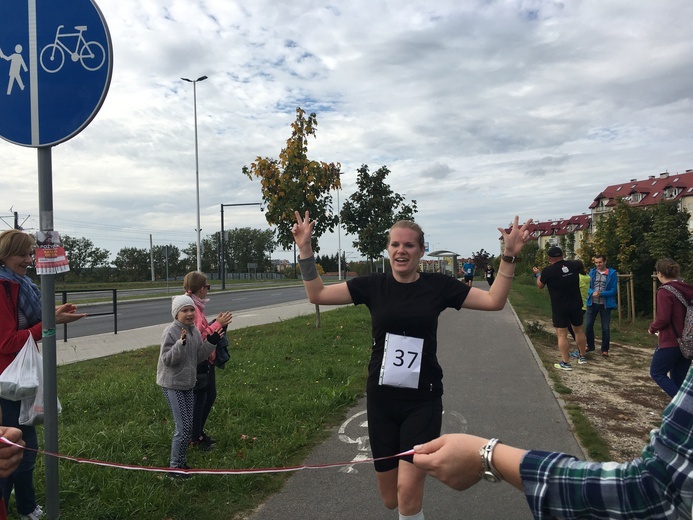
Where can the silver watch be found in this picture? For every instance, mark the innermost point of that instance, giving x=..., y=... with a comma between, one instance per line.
x=488, y=472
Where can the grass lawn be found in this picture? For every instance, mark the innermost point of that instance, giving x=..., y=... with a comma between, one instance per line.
x=286, y=384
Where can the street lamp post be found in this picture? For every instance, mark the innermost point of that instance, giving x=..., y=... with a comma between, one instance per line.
x=339, y=231
x=339, y=237
x=197, y=169
x=221, y=239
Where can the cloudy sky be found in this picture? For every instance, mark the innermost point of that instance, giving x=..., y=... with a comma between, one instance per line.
x=481, y=109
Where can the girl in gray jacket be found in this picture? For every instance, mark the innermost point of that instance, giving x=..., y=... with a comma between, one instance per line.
x=182, y=348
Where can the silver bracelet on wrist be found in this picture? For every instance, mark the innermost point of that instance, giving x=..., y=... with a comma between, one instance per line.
x=309, y=270
x=488, y=472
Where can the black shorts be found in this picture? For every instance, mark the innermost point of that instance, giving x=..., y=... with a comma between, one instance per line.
x=468, y=278
x=561, y=319
x=397, y=425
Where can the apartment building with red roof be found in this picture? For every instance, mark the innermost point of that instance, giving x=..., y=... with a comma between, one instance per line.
x=640, y=193
x=647, y=192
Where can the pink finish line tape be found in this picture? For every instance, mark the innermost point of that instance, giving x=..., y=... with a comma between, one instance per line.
x=251, y=471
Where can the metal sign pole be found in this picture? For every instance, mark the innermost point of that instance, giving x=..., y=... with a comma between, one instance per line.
x=50, y=382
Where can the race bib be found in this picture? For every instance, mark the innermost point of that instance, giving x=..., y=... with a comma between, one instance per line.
x=401, y=361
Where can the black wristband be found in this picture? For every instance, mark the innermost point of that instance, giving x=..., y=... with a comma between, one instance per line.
x=309, y=270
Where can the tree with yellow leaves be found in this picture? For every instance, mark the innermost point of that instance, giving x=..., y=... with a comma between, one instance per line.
x=295, y=183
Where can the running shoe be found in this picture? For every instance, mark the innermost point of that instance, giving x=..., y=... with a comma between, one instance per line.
x=563, y=366
x=574, y=353
x=582, y=360
x=179, y=476
x=34, y=515
x=202, y=444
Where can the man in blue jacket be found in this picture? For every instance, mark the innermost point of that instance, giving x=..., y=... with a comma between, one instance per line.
x=601, y=299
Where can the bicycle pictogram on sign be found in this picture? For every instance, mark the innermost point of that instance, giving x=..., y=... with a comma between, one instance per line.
x=90, y=54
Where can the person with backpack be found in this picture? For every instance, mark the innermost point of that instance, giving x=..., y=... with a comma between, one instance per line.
x=669, y=366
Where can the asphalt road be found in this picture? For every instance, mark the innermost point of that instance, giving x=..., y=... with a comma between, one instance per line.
x=494, y=387
x=134, y=314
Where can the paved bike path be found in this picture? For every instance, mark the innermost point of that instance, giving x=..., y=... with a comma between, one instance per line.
x=494, y=386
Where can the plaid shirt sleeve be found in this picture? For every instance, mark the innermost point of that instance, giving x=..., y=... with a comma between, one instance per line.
x=659, y=485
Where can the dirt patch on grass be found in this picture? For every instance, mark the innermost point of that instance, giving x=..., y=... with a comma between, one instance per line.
x=616, y=394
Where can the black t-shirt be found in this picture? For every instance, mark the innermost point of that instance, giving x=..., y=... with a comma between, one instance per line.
x=563, y=282
x=407, y=309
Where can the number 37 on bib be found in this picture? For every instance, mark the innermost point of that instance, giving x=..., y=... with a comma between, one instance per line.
x=401, y=361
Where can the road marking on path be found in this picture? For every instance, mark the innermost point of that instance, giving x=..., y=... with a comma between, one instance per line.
x=354, y=430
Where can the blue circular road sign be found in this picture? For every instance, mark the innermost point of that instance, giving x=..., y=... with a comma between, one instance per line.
x=56, y=61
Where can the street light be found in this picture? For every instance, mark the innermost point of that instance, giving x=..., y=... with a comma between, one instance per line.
x=221, y=240
x=197, y=169
x=339, y=231
x=339, y=236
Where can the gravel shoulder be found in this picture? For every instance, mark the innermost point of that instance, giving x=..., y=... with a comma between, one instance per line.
x=616, y=394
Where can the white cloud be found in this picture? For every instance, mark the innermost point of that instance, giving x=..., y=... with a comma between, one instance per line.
x=480, y=109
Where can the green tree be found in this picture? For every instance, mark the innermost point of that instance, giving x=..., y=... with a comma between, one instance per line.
x=173, y=265
x=84, y=257
x=530, y=257
x=586, y=250
x=633, y=239
x=329, y=263
x=669, y=237
x=210, y=253
x=133, y=264
x=567, y=243
x=295, y=183
x=481, y=259
x=249, y=246
x=189, y=262
x=371, y=211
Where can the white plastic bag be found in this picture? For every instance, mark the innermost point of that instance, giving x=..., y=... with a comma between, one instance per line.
x=31, y=409
x=21, y=378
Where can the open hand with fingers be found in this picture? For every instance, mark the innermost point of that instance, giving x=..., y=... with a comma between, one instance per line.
x=10, y=456
x=302, y=232
x=516, y=238
x=67, y=313
x=224, y=318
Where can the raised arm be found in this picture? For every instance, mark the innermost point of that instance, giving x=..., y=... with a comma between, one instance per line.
x=318, y=293
x=494, y=299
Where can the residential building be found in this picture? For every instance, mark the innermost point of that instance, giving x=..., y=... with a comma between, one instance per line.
x=647, y=192
x=565, y=233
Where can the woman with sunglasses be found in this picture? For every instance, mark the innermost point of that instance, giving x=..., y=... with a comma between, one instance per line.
x=196, y=286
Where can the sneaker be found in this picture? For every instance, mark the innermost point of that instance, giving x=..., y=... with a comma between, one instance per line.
x=208, y=439
x=202, y=444
x=179, y=476
x=563, y=366
x=605, y=354
x=34, y=515
x=590, y=349
x=574, y=353
x=582, y=360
